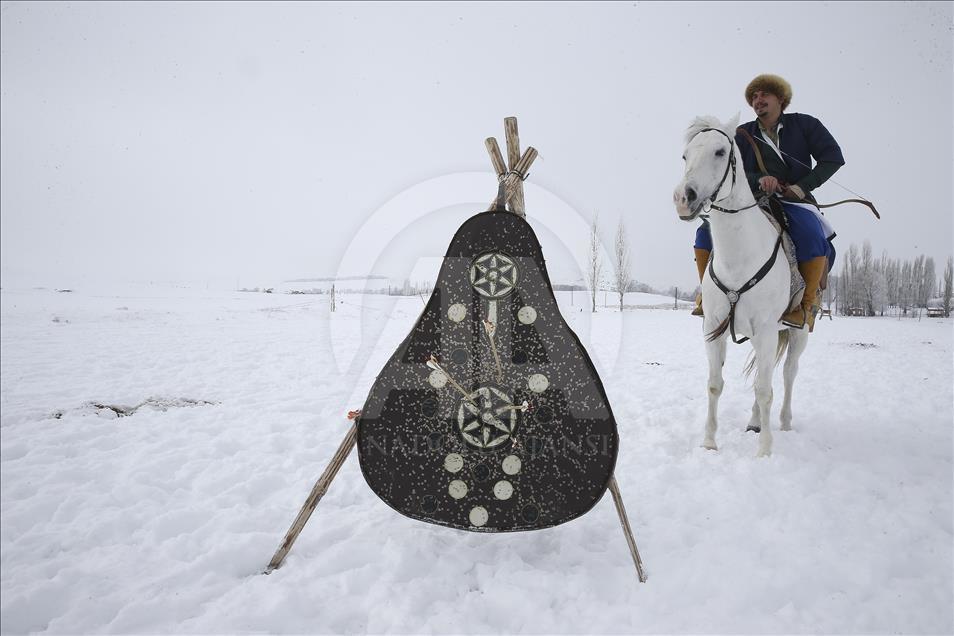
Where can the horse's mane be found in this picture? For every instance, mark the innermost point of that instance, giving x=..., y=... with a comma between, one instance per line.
x=709, y=121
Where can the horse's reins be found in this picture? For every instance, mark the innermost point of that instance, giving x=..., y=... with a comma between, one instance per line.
x=758, y=159
x=733, y=296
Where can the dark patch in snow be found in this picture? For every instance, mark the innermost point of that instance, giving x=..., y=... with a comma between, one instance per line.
x=119, y=410
x=864, y=345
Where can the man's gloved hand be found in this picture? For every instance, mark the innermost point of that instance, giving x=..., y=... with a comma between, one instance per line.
x=795, y=192
x=770, y=185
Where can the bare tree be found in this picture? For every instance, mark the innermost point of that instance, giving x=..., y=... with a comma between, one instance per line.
x=917, y=278
x=867, y=279
x=948, y=286
x=851, y=276
x=595, y=265
x=623, y=275
x=928, y=281
x=892, y=277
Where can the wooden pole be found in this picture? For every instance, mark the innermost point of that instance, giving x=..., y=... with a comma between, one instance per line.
x=523, y=166
x=624, y=521
x=517, y=205
x=321, y=486
x=495, y=157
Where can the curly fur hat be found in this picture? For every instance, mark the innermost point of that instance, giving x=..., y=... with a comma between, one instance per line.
x=770, y=84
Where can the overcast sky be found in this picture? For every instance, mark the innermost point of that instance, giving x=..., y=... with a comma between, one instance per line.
x=257, y=142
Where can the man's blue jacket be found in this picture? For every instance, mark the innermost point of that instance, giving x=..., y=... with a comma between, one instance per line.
x=801, y=136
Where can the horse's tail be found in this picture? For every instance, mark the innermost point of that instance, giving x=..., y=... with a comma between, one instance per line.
x=783, y=341
x=718, y=331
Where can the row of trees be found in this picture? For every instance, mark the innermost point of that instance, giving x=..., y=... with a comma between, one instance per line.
x=871, y=286
x=622, y=280
x=867, y=285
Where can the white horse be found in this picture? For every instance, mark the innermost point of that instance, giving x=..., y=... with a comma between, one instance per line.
x=745, y=245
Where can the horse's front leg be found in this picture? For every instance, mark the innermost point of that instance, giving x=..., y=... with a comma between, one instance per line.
x=755, y=424
x=765, y=344
x=715, y=351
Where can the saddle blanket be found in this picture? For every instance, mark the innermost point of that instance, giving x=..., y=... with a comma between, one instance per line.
x=797, y=288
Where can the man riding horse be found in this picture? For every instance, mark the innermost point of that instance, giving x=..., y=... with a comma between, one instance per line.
x=777, y=149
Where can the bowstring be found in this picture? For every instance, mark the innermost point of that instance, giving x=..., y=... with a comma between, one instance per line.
x=802, y=163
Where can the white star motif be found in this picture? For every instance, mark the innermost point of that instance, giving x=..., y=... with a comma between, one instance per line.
x=491, y=424
x=493, y=275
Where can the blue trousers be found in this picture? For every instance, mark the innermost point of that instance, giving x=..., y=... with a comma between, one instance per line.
x=805, y=229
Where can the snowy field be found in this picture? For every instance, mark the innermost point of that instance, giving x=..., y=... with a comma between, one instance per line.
x=161, y=521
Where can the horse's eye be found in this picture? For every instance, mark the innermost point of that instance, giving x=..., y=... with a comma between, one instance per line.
x=720, y=152
x=684, y=157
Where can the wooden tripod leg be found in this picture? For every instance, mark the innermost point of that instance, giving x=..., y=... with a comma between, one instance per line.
x=316, y=494
x=624, y=521
x=517, y=205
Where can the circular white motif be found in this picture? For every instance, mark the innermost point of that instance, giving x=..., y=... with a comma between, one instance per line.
x=527, y=315
x=456, y=312
x=486, y=418
x=511, y=464
x=478, y=516
x=493, y=275
x=503, y=490
x=437, y=379
x=453, y=463
x=538, y=383
x=457, y=489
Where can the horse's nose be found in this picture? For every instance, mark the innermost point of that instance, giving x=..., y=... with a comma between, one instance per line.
x=690, y=194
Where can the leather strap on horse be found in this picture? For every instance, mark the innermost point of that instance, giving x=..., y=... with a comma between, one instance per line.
x=758, y=159
x=734, y=296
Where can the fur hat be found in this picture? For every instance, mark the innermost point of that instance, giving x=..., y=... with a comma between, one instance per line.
x=770, y=84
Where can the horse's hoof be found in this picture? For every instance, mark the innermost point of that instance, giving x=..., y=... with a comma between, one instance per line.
x=785, y=427
x=710, y=445
x=753, y=428
x=764, y=453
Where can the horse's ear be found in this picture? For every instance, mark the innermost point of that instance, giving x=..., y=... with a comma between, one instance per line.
x=732, y=124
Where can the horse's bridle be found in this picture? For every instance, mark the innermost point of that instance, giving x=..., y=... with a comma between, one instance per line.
x=709, y=204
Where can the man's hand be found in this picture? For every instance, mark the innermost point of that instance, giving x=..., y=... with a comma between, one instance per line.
x=769, y=185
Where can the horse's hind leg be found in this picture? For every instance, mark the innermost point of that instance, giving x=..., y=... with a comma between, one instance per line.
x=715, y=351
x=797, y=340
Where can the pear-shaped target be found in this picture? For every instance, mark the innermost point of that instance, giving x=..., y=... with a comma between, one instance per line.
x=490, y=415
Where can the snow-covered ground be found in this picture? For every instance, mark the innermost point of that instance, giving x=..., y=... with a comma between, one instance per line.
x=161, y=521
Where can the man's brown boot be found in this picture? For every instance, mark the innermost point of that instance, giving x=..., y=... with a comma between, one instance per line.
x=812, y=272
x=702, y=261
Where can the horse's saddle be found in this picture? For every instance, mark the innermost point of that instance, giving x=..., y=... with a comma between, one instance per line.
x=490, y=415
